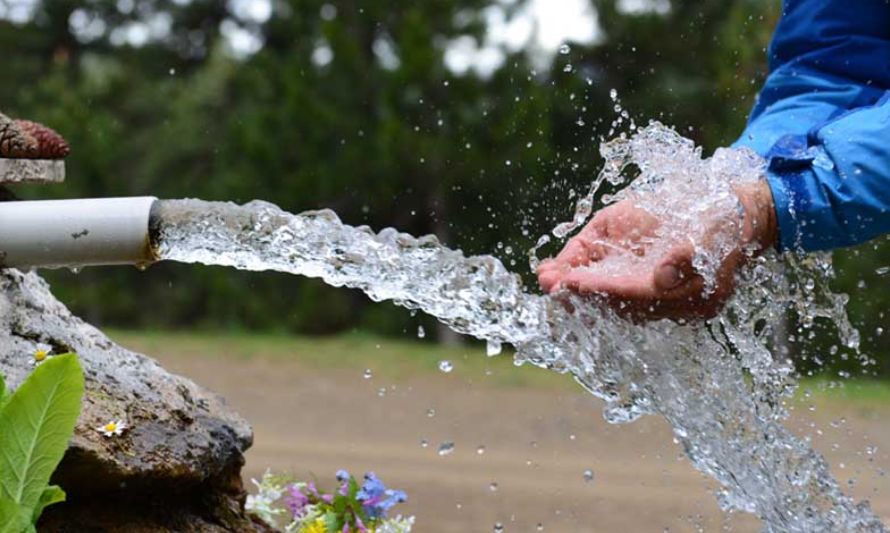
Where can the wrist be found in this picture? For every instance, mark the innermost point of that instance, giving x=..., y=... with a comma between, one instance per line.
x=759, y=224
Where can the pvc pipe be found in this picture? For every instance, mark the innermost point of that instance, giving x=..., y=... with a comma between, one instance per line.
x=75, y=233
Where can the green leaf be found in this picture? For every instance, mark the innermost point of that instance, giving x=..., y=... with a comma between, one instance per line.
x=340, y=503
x=14, y=518
x=37, y=421
x=331, y=522
x=50, y=495
x=353, y=488
x=4, y=393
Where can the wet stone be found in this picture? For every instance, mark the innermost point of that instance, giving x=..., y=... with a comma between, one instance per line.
x=177, y=465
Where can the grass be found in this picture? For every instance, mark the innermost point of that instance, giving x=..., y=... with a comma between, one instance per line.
x=404, y=359
x=397, y=359
x=868, y=398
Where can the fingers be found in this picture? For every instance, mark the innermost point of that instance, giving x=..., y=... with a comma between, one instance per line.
x=550, y=280
x=628, y=287
x=675, y=267
x=671, y=288
x=550, y=274
x=580, y=251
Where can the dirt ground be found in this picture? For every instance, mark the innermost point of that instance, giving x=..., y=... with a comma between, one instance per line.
x=537, y=442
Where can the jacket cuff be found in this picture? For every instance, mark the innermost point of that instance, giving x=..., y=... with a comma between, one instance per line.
x=783, y=200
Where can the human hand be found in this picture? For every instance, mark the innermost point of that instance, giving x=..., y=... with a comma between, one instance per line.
x=623, y=258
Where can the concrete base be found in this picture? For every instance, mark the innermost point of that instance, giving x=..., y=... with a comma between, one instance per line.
x=32, y=170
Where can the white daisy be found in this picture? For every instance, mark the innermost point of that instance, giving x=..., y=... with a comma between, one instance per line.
x=40, y=355
x=112, y=429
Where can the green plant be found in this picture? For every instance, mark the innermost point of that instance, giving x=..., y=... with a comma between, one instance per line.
x=36, y=422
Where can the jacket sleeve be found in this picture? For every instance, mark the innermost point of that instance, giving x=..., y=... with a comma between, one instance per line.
x=822, y=120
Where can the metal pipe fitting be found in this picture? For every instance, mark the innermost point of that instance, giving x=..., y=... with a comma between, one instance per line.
x=76, y=233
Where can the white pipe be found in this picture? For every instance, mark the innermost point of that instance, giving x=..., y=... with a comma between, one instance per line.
x=75, y=233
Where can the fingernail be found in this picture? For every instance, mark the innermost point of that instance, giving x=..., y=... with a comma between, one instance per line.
x=667, y=276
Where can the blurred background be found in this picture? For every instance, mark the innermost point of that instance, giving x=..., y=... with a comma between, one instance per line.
x=476, y=120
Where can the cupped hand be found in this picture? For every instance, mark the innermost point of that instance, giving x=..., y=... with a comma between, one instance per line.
x=622, y=258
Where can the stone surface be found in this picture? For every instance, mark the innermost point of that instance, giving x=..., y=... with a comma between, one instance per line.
x=32, y=171
x=176, y=467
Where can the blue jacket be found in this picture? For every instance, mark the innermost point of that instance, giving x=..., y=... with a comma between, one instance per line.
x=823, y=122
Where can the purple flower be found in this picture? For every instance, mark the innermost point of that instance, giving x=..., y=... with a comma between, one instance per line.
x=343, y=477
x=327, y=498
x=296, y=500
x=376, y=498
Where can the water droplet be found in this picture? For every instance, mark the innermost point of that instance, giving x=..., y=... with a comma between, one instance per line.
x=480, y=450
x=172, y=71
x=567, y=68
x=445, y=366
x=421, y=333
x=493, y=348
x=424, y=443
x=430, y=412
x=381, y=392
x=75, y=270
x=588, y=476
x=493, y=486
x=368, y=374
x=613, y=94
x=540, y=526
x=446, y=448
x=883, y=271
x=565, y=49
x=499, y=528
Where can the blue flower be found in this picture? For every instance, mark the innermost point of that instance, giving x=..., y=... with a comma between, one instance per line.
x=376, y=498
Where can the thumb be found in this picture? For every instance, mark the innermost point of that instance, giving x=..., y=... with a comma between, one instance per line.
x=675, y=267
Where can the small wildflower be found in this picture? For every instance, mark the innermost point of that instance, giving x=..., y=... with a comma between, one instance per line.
x=396, y=525
x=376, y=498
x=262, y=504
x=349, y=509
x=112, y=429
x=40, y=355
x=315, y=527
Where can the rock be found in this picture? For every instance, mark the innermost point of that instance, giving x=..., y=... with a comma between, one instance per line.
x=176, y=467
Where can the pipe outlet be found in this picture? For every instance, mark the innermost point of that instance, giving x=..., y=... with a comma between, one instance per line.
x=76, y=233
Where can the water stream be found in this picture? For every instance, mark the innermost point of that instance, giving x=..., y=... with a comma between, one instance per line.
x=715, y=382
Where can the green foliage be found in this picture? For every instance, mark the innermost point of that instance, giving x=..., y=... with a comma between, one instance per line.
x=14, y=518
x=4, y=393
x=37, y=421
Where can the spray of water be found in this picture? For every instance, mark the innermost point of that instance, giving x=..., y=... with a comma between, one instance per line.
x=715, y=382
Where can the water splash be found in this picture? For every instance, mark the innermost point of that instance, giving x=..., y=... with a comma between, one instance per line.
x=716, y=383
